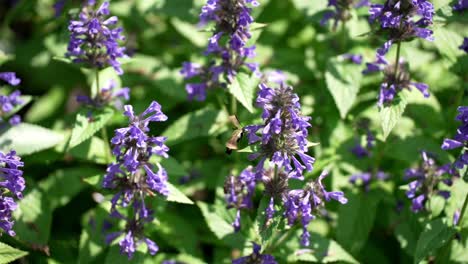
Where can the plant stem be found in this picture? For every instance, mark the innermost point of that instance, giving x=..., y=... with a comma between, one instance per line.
x=465, y=203
x=105, y=138
x=233, y=105
x=95, y=90
x=397, y=59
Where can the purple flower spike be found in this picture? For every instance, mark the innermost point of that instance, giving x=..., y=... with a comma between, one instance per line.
x=304, y=203
x=464, y=46
x=227, y=47
x=425, y=180
x=134, y=177
x=284, y=133
x=461, y=5
x=12, y=185
x=94, y=38
x=460, y=139
x=256, y=257
x=238, y=193
x=10, y=77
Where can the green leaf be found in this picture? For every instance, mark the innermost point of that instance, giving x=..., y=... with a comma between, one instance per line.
x=321, y=250
x=435, y=235
x=46, y=105
x=175, y=195
x=436, y=205
x=85, y=127
x=62, y=185
x=343, y=81
x=202, y=123
x=356, y=219
x=219, y=226
x=190, y=32
x=243, y=88
x=91, y=247
x=93, y=150
x=389, y=115
x=34, y=219
x=27, y=138
x=448, y=42
x=9, y=254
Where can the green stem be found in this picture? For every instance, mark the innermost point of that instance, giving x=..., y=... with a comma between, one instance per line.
x=465, y=203
x=95, y=90
x=233, y=105
x=397, y=59
x=105, y=138
x=106, y=144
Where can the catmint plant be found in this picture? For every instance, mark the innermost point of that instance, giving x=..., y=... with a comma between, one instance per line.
x=94, y=38
x=12, y=185
x=106, y=96
x=136, y=177
x=9, y=102
x=238, y=193
x=282, y=137
x=460, y=140
x=361, y=150
x=341, y=10
x=256, y=257
x=425, y=181
x=461, y=5
x=364, y=179
x=401, y=21
x=464, y=45
x=227, y=47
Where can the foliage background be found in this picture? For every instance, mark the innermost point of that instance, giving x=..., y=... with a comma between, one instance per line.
x=61, y=217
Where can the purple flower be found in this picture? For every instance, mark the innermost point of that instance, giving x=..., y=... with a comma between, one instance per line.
x=363, y=150
x=460, y=139
x=403, y=20
x=461, y=5
x=255, y=257
x=238, y=193
x=7, y=104
x=354, y=58
x=106, y=96
x=10, y=77
x=58, y=7
x=304, y=203
x=393, y=82
x=464, y=46
x=425, y=180
x=134, y=177
x=12, y=184
x=227, y=46
x=341, y=10
x=284, y=132
x=94, y=38
x=366, y=178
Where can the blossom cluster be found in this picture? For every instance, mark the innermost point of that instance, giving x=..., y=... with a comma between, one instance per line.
x=94, y=38
x=9, y=102
x=460, y=140
x=396, y=78
x=255, y=257
x=282, y=142
x=403, y=20
x=12, y=185
x=360, y=150
x=425, y=181
x=341, y=10
x=106, y=96
x=133, y=176
x=228, y=45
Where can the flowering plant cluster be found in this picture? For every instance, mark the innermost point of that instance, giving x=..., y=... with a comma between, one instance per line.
x=228, y=46
x=235, y=169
